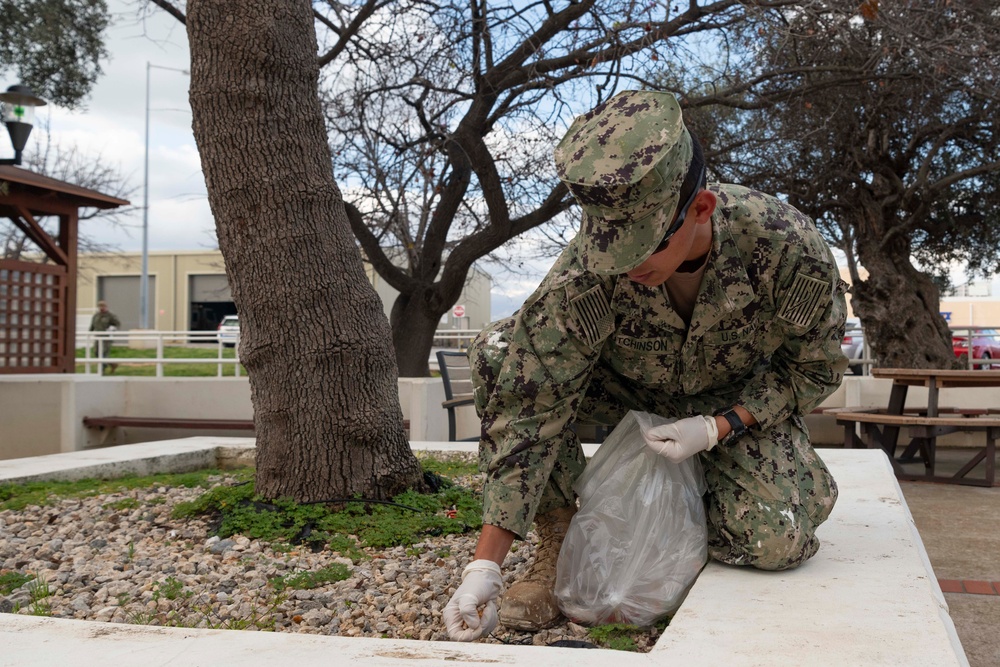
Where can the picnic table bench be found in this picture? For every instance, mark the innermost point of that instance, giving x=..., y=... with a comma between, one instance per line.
x=880, y=426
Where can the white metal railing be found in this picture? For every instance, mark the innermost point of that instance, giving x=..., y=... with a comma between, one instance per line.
x=94, y=362
x=460, y=338
x=866, y=361
x=94, y=359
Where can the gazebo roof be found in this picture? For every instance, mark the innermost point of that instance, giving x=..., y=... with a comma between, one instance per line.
x=40, y=185
x=38, y=311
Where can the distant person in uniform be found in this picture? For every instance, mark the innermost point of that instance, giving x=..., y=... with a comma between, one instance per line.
x=104, y=320
x=710, y=303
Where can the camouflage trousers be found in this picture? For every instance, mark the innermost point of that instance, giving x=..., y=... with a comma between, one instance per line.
x=767, y=492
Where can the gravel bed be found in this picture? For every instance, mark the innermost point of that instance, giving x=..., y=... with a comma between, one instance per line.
x=139, y=565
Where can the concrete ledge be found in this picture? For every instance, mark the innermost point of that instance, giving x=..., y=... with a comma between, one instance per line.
x=145, y=458
x=868, y=598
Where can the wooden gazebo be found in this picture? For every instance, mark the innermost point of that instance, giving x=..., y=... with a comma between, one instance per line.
x=38, y=299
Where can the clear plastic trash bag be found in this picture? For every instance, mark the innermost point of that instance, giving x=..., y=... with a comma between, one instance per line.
x=639, y=540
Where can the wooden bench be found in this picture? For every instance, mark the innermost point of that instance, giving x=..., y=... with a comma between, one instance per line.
x=879, y=431
x=109, y=425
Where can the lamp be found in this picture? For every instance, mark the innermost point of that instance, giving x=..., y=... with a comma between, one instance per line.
x=18, y=114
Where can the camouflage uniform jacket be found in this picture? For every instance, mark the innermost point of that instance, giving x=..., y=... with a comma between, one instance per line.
x=765, y=333
x=101, y=321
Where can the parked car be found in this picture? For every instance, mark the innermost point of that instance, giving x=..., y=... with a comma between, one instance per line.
x=853, y=346
x=985, y=345
x=229, y=330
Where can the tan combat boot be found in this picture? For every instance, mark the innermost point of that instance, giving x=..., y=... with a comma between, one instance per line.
x=530, y=604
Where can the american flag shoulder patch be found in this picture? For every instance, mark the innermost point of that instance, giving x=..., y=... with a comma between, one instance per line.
x=593, y=315
x=803, y=300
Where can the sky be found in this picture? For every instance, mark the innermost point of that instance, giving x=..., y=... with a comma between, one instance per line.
x=111, y=126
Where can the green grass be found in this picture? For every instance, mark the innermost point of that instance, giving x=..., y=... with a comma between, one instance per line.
x=125, y=504
x=19, y=496
x=39, y=591
x=448, y=467
x=169, y=369
x=618, y=636
x=11, y=581
x=170, y=588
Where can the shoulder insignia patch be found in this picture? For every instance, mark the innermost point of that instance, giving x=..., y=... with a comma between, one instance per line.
x=593, y=314
x=803, y=299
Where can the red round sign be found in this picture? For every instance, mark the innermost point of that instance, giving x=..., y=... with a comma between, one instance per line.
x=459, y=311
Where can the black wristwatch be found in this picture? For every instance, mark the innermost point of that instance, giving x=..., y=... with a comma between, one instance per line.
x=739, y=428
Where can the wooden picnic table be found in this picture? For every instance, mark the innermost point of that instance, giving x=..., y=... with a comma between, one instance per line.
x=881, y=426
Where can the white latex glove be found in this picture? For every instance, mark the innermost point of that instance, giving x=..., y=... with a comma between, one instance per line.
x=683, y=438
x=481, y=583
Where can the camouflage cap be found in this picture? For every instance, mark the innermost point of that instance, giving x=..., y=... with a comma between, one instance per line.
x=625, y=161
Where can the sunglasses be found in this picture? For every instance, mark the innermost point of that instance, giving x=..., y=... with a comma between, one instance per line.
x=679, y=220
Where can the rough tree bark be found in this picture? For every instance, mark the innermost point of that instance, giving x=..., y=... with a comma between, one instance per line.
x=897, y=304
x=314, y=339
x=413, y=326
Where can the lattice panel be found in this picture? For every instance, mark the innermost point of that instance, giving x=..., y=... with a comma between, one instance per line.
x=32, y=330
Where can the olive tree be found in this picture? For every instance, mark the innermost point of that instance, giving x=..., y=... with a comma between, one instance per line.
x=888, y=137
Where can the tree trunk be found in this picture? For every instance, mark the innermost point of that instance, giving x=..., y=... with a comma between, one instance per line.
x=899, y=309
x=314, y=341
x=413, y=327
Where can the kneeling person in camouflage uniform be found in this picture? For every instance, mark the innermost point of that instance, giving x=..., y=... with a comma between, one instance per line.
x=714, y=304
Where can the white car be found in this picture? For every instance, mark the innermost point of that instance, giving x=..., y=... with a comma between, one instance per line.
x=229, y=330
x=853, y=346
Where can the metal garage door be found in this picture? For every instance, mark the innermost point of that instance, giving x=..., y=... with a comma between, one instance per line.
x=122, y=295
x=210, y=301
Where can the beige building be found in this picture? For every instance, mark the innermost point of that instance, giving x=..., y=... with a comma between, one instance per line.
x=975, y=304
x=188, y=291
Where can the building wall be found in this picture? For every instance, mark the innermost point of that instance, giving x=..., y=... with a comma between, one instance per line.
x=972, y=311
x=963, y=311
x=44, y=414
x=172, y=297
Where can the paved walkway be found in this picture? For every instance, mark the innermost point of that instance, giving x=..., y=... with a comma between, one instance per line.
x=960, y=528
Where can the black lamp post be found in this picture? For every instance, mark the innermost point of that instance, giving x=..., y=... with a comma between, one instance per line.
x=18, y=108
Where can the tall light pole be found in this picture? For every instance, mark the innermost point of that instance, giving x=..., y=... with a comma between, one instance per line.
x=144, y=277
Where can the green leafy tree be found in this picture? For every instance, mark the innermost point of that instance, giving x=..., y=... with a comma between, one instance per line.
x=54, y=46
